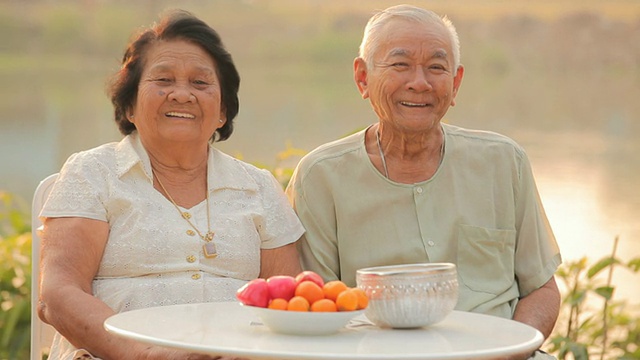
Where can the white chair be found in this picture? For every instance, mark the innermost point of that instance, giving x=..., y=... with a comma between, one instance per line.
x=41, y=333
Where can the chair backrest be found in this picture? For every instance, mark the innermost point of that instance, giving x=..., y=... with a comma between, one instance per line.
x=41, y=333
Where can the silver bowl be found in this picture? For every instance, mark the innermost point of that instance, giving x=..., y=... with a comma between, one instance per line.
x=411, y=295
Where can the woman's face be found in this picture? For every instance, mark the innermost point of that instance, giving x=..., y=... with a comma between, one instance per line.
x=179, y=96
x=412, y=82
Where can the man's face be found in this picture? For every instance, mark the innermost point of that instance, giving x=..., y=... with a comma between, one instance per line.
x=413, y=81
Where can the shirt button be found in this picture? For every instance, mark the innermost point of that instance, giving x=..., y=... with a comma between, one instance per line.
x=419, y=190
x=191, y=232
x=195, y=276
x=191, y=258
x=431, y=243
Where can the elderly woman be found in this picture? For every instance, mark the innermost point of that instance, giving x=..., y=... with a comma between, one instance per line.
x=161, y=217
x=411, y=189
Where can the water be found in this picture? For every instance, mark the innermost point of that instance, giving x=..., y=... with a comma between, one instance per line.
x=564, y=82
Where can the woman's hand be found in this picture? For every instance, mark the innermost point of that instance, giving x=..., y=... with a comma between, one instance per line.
x=162, y=353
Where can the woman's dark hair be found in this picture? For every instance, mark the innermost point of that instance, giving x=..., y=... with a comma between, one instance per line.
x=182, y=25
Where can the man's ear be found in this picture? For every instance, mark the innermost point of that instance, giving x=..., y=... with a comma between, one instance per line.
x=457, y=80
x=360, y=74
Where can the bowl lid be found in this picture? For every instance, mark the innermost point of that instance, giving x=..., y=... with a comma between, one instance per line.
x=408, y=269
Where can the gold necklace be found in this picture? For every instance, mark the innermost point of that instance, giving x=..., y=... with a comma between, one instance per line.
x=209, y=248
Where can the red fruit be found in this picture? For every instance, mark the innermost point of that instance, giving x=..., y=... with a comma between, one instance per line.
x=254, y=293
x=281, y=287
x=310, y=276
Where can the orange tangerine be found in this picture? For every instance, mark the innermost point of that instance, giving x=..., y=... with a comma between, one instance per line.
x=278, y=304
x=331, y=289
x=324, y=305
x=347, y=300
x=298, y=303
x=310, y=291
x=363, y=300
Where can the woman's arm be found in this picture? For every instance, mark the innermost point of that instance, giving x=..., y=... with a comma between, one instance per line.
x=280, y=261
x=71, y=254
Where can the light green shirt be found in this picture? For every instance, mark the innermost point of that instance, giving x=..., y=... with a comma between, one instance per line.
x=481, y=210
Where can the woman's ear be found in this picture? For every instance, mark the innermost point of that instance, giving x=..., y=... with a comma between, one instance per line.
x=360, y=73
x=223, y=116
x=129, y=115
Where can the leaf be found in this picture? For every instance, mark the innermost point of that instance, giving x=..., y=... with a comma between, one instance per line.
x=605, y=291
x=16, y=219
x=579, y=351
x=12, y=318
x=634, y=265
x=557, y=342
x=580, y=264
x=599, y=266
x=588, y=323
x=563, y=351
x=562, y=272
x=577, y=298
x=289, y=152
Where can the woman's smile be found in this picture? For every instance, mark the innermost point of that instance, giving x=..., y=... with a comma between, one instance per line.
x=181, y=115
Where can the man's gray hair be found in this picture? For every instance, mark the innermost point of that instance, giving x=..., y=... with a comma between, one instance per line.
x=371, y=36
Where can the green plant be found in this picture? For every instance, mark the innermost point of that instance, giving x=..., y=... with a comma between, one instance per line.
x=15, y=278
x=585, y=331
x=284, y=166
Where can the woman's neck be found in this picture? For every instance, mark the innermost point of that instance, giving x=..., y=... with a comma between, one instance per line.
x=182, y=171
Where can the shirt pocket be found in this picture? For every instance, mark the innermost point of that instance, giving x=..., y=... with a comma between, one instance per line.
x=486, y=258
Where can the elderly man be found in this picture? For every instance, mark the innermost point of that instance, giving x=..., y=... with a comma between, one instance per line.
x=411, y=189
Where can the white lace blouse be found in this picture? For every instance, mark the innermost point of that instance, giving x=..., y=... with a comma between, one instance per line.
x=151, y=257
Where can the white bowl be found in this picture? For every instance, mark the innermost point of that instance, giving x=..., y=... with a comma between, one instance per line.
x=411, y=295
x=304, y=322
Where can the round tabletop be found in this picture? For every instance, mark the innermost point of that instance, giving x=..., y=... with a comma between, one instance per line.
x=229, y=329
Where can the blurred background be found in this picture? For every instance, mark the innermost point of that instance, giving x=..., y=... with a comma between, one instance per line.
x=560, y=77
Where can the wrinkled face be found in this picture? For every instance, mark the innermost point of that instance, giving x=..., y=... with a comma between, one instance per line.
x=179, y=97
x=413, y=81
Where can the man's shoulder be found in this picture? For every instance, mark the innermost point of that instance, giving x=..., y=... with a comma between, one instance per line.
x=334, y=150
x=481, y=138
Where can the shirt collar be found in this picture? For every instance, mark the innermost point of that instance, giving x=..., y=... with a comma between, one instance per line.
x=224, y=171
x=130, y=153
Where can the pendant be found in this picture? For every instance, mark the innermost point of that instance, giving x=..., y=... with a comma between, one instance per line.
x=209, y=250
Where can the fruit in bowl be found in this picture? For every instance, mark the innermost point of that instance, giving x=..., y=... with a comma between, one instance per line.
x=304, y=304
x=281, y=287
x=305, y=292
x=304, y=323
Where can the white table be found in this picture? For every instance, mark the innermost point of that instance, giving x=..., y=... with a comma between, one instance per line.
x=230, y=329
